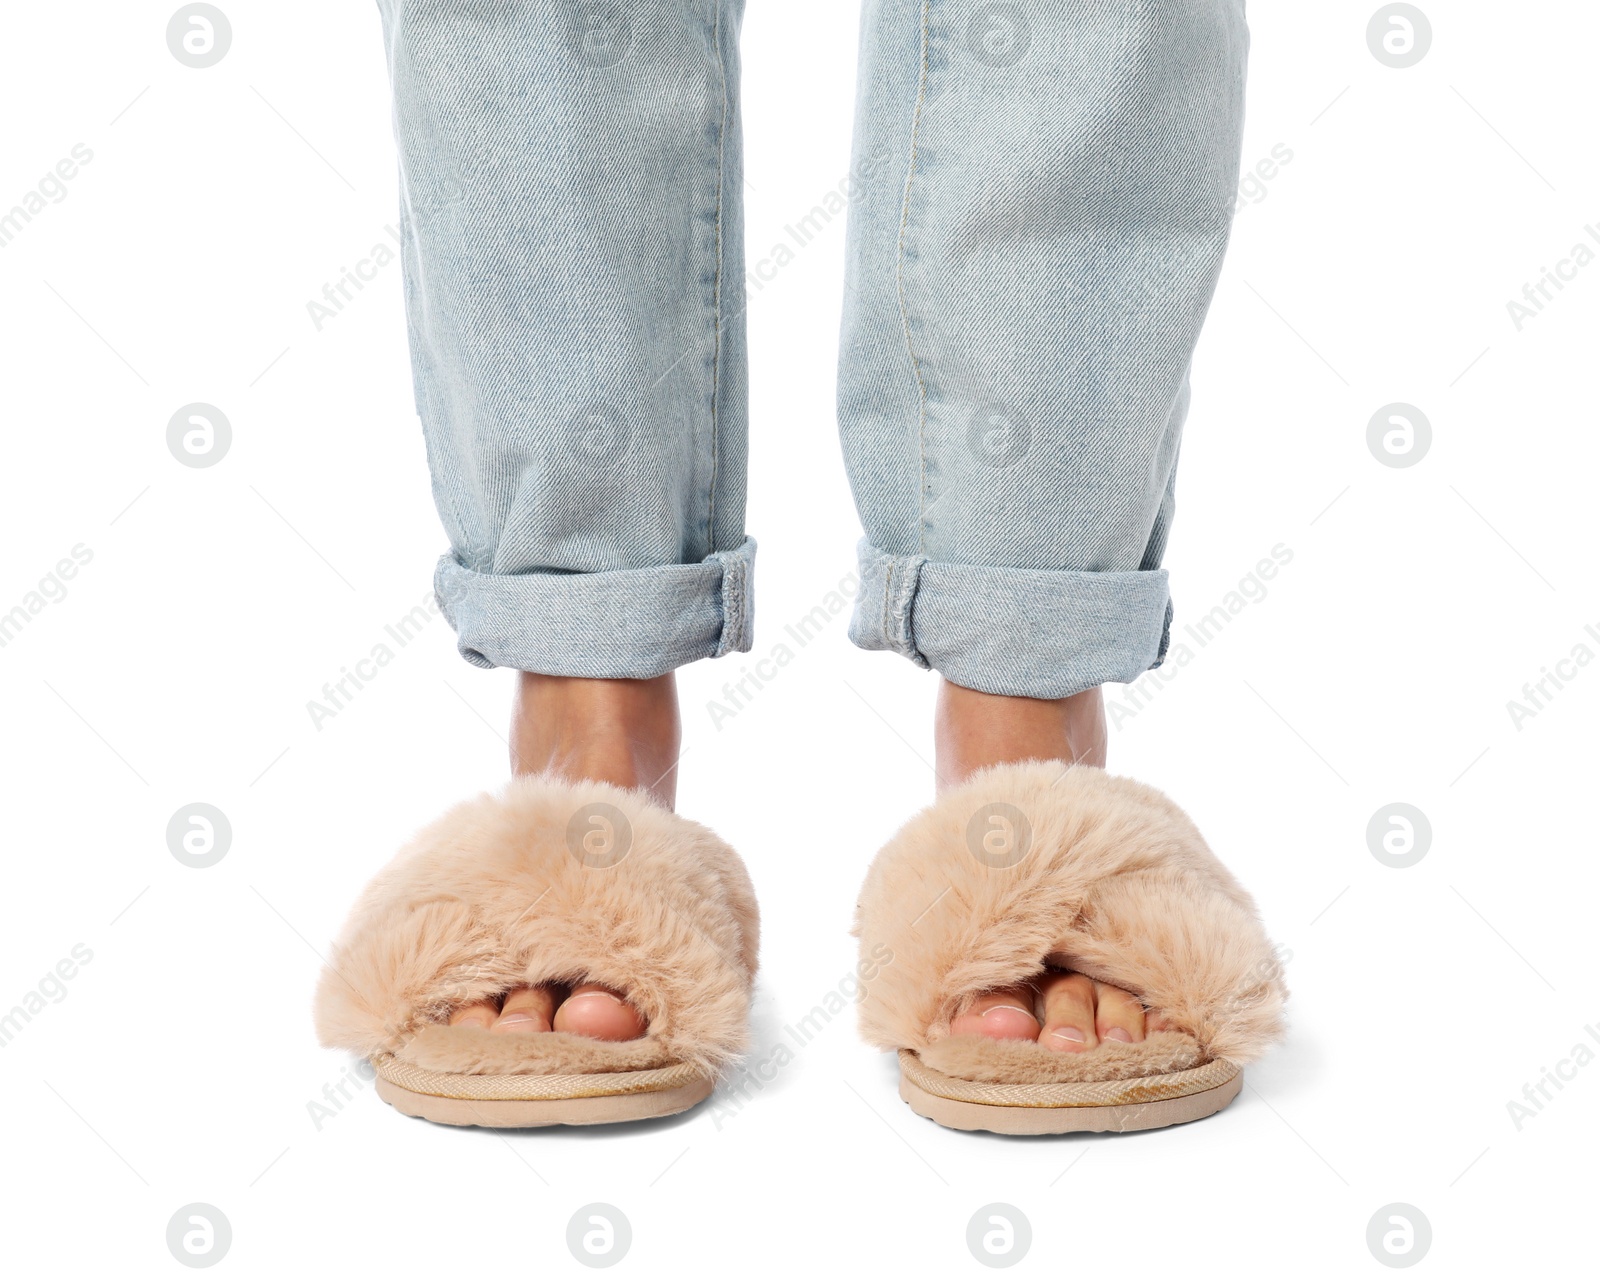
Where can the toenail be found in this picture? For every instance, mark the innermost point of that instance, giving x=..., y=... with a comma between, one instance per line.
x=1070, y=1032
x=594, y=993
x=1008, y=1007
x=1119, y=1034
x=515, y=1018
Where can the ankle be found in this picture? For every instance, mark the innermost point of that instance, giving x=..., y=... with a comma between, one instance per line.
x=975, y=730
x=625, y=732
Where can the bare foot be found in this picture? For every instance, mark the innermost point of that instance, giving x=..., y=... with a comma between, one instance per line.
x=1065, y=1011
x=625, y=732
x=595, y=1011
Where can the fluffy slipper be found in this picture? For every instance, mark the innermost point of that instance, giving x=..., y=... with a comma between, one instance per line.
x=1032, y=865
x=545, y=883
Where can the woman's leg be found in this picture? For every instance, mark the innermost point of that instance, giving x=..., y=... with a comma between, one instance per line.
x=1023, y=303
x=573, y=254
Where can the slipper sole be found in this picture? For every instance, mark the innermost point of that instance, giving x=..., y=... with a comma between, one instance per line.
x=1059, y=1108
x=533, y=1100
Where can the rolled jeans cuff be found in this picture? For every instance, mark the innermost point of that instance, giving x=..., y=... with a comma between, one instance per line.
x=615, y=624
x=1022, y=633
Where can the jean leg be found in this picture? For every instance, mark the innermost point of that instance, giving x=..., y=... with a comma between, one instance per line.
x=1020, y=317
x=572, y=246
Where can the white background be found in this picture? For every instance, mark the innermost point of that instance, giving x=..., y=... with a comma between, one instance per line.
x=177, y=668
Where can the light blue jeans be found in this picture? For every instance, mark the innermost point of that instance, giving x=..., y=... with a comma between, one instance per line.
x=1041, y=199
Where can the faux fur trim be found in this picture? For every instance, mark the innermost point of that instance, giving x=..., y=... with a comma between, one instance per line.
x=1115, y=882
x=493, y=895
x=993, y=1060
x=446, y=1049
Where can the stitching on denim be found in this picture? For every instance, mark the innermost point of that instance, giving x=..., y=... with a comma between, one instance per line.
x=735, y=576
x=746, y=631
x=716, y=297
x=900, y=286
x=729, y=635
x=725, y=604
x=742, y=631
x=888, y=593
x=910, y=582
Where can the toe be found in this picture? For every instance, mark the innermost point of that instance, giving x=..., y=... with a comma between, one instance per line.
x=1067, y=1001
x=526, y=1010
x=598, y=1011
x=1003, y=1013
x=1118, y=1015
x=478, y=1015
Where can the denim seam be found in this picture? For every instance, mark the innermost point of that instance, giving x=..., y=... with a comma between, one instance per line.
x=900, y=285
x=733, y=610
x=905, y=604
x=716, y=286
x=888, y=591
x=902, y=576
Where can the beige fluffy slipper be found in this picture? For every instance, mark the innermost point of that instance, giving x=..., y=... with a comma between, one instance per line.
x=1029, y=865
x=547, y=883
